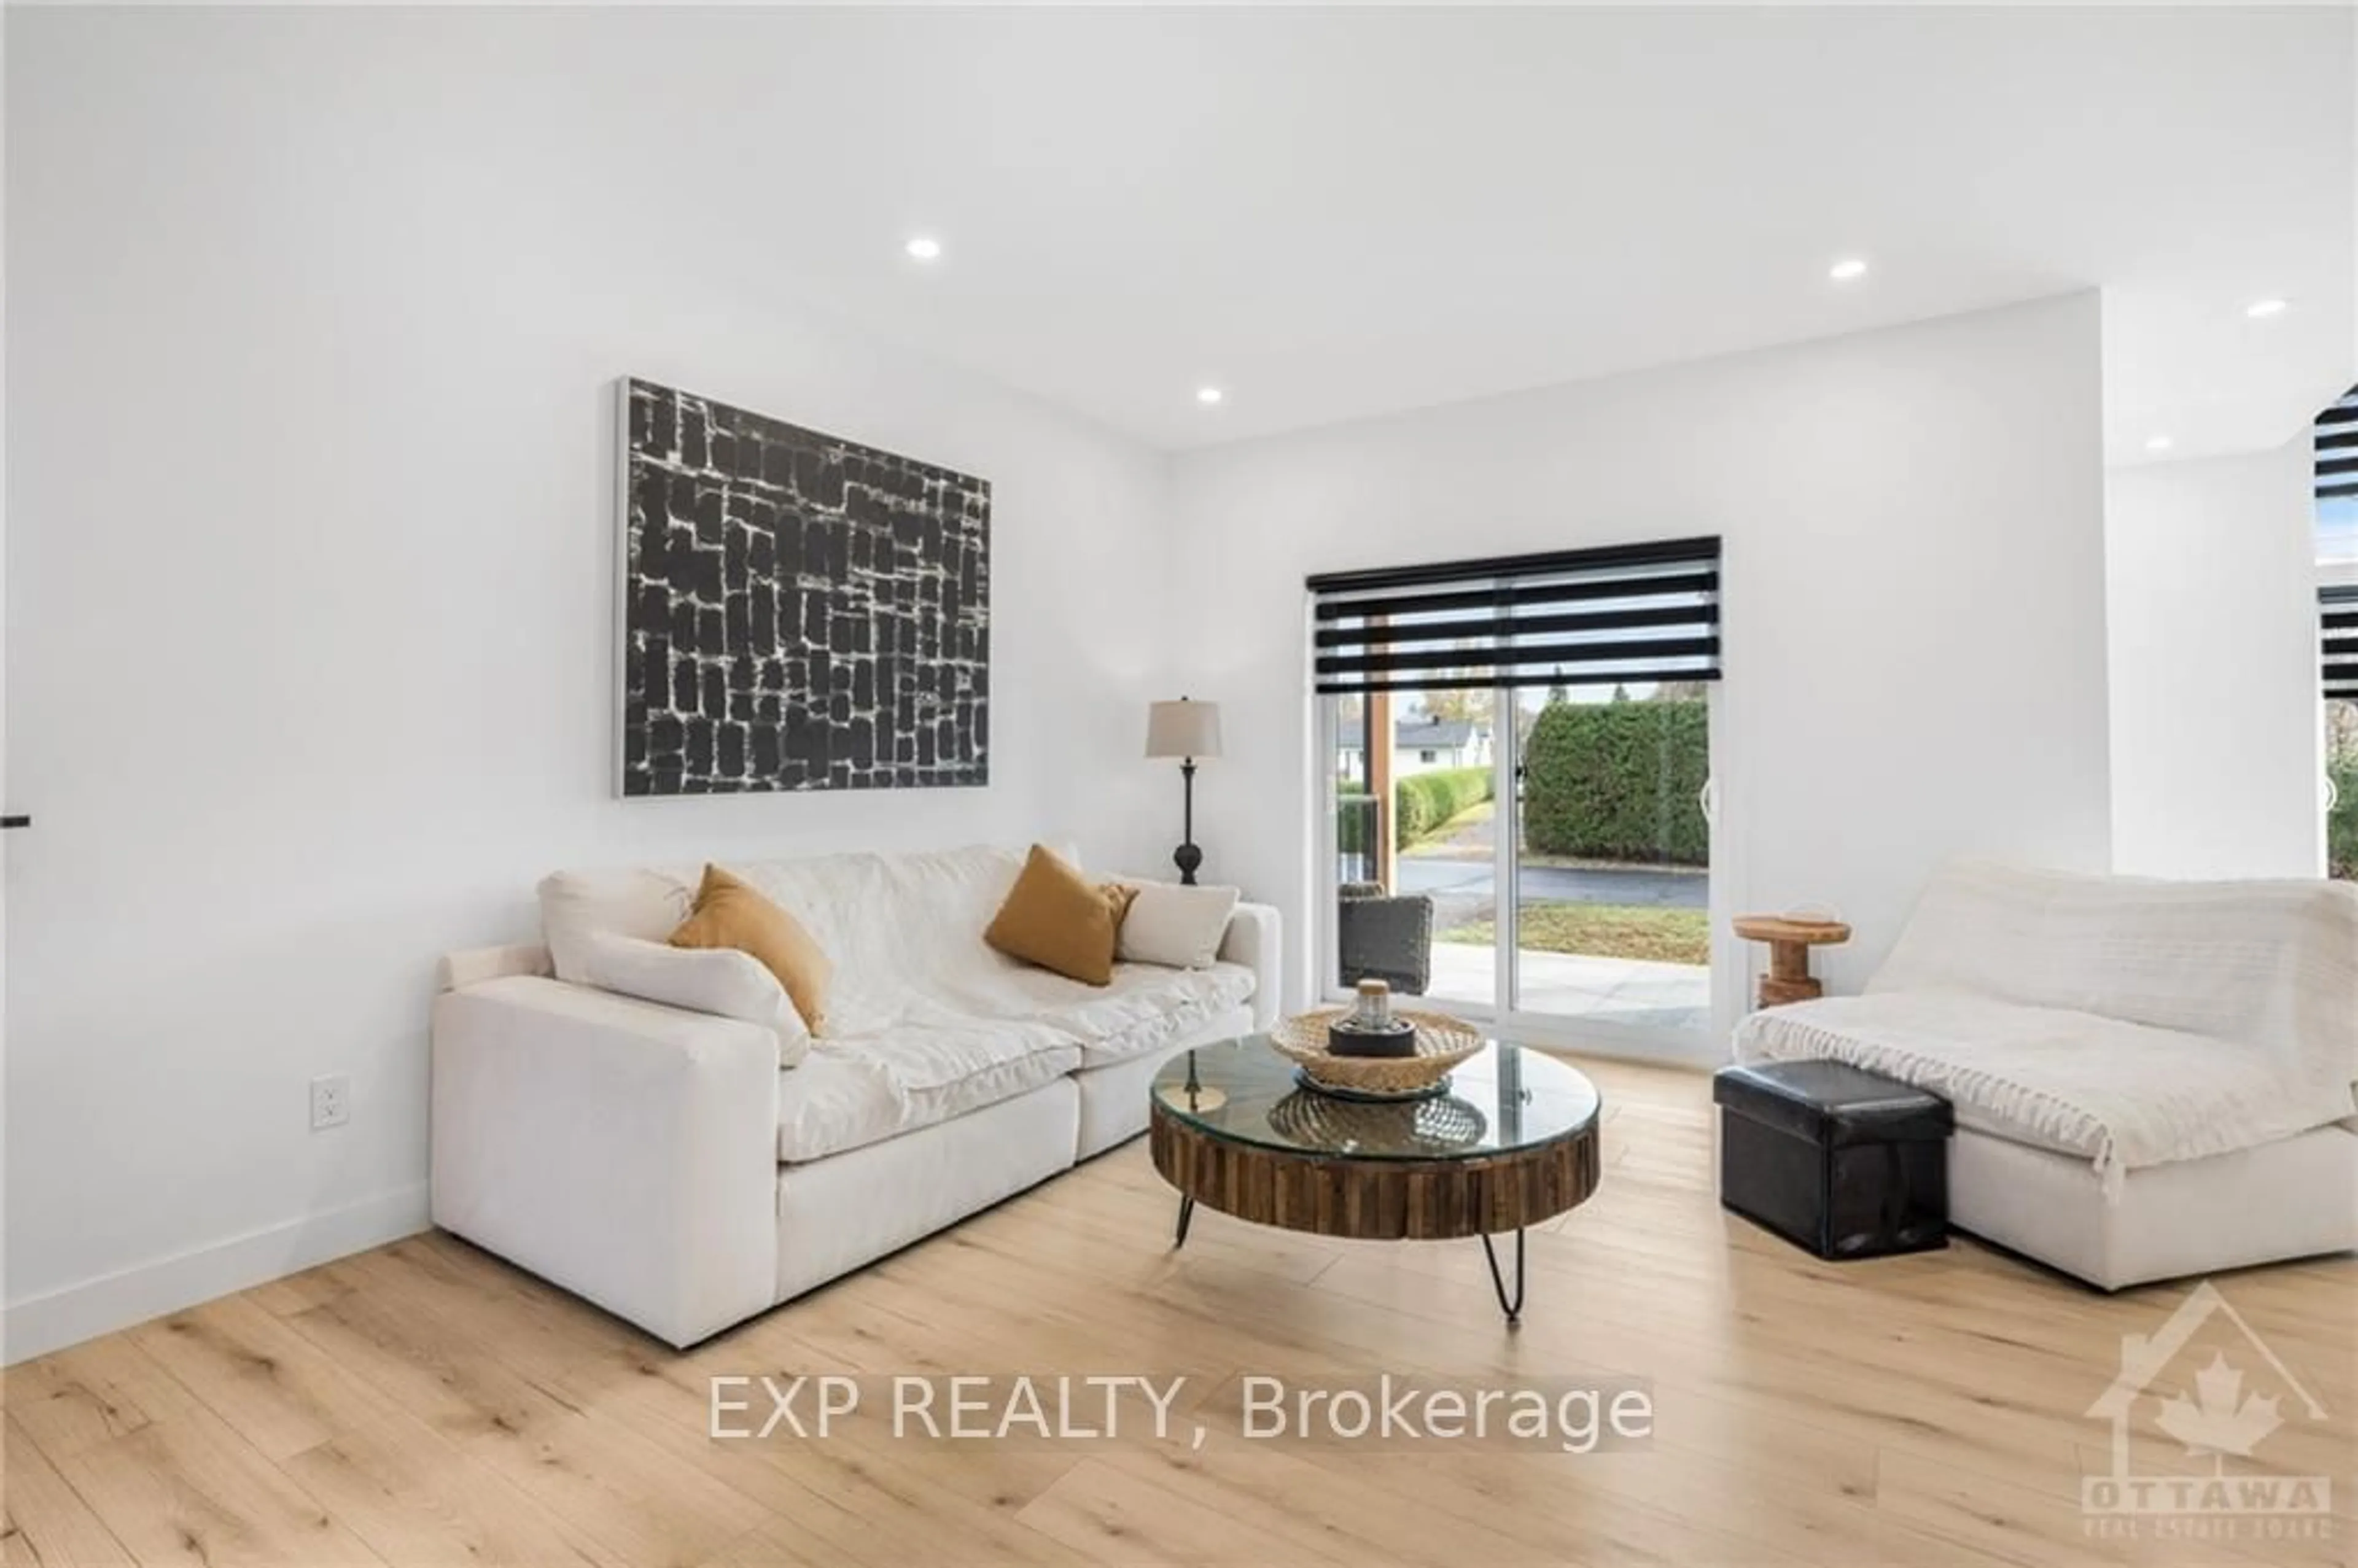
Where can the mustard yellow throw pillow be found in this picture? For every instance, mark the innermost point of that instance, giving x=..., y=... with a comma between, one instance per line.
x=1058, y=919
x=731, y=914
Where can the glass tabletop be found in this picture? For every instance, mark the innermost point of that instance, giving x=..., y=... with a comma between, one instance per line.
x=1504, y=1098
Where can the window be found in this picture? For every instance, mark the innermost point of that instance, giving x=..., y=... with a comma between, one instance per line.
x=2341, y=788
x=2337, y=595
x=2337, y=481
x=2338, y=636
x=1549, y=861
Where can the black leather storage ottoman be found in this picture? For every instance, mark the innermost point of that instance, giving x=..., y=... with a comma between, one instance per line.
x=1846, y=1163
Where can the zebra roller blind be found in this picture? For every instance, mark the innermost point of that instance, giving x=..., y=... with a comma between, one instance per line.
x=2337, y=450
x=2338, y=620
x=1622, y=615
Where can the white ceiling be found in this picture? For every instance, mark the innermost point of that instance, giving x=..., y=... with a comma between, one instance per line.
x=1339, y=213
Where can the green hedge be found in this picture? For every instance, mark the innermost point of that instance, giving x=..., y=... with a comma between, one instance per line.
x=1350, y=819
x=2342, y=827
x=1423, y=802
x=1420, y=803
x=1618, y=781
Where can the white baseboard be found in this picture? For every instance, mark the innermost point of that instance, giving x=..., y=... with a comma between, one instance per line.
x=38, y=1325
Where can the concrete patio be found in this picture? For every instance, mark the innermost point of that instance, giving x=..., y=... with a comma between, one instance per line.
x=1632, y=992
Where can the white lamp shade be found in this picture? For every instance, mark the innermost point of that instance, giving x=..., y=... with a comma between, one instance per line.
x=1182, y=729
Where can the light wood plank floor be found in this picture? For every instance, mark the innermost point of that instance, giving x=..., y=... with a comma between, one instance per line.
x=426, y=1403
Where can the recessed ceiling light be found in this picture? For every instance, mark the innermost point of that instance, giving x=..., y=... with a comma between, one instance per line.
x=1207, y=396
x=2158, y=443
x=924, y=247
x=1848, y=269
x=2261, y=309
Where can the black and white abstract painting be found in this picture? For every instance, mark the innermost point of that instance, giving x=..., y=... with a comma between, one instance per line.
x=799, y=611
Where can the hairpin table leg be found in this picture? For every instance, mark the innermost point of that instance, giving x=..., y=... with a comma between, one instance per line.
x=1186, y=1213
x=1512, y=1307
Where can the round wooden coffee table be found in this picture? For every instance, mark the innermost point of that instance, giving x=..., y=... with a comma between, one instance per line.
x=1512, y=1142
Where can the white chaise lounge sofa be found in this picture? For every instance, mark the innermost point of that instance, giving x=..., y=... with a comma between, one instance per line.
x=2151, y=1079
x=663, y=1165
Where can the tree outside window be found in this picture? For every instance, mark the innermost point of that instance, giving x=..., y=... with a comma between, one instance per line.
x=2342, y=769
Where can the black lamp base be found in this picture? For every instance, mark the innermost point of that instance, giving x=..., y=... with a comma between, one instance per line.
x=1187, y=856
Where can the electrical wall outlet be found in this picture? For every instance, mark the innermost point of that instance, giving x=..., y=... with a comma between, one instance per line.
x=331, y=1101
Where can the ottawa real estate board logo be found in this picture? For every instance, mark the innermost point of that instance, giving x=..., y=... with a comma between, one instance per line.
x=2204, y=1418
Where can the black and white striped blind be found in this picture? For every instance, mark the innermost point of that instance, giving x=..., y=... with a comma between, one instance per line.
x=2337, y=613
x=2337, y=449
x=1623, y=615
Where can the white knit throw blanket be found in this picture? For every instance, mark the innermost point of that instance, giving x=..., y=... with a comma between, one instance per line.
x=2137, y=1022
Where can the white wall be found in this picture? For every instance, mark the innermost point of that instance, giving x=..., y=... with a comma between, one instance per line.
x=310, y=634
x=1914, y=596
x=308, y=603
x=2217, y=738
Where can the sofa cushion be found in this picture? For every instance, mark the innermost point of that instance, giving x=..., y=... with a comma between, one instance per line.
x=732, y=915
x=1145, y=1006
x=851, y=1092
x=2265, y=965
x=1058, y=919
x=887, y=920
x=1169, y=923
x=718, y=980
x=2123, y=1095
x=903, y=929
x=958, y=1053
x=647, y=904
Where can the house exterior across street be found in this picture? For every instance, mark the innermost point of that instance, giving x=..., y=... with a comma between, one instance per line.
x=1420, y=745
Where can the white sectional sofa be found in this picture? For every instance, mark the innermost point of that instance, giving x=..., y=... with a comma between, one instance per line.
x=663, y=1165
x=2151, y=1079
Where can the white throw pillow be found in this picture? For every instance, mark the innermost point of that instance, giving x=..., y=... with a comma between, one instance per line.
x=639, y=903
x=1180, y=927
x=718, y=980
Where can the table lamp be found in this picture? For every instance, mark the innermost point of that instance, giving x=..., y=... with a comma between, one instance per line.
x=1185, y=730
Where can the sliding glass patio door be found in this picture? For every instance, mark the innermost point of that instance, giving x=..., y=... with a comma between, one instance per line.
x=1517, y=791
x=1549, y=858
x=1611, y=867
x=1414, y=868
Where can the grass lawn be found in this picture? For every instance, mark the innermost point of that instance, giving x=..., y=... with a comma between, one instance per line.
x=1603, y=930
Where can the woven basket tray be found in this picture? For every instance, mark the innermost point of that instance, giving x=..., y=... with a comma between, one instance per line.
x=1442, y=1043
x=1440, y=1126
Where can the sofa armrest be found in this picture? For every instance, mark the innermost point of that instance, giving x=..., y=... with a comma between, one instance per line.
x=624, y=1149
x=472, y=968
x=1253, y=940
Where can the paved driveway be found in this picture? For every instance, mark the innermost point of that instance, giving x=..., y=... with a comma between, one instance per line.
x=1465, y=881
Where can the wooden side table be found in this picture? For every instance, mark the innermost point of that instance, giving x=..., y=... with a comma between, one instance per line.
x=1790, y=941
